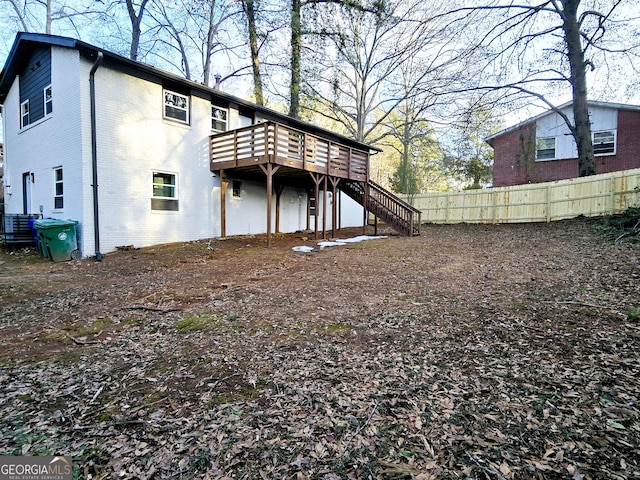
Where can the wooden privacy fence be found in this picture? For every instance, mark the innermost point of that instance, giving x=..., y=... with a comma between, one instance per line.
x=604, y=194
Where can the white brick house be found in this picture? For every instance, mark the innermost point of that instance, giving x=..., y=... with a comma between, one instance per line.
x=148, y=144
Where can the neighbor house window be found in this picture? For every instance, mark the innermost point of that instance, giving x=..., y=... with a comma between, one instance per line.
x=218, y=119
x=48, y=100
x=165, y=192
x=604, y=142
x=176, y=106
x=546, y=148
x=58, y=198
x=24, y=114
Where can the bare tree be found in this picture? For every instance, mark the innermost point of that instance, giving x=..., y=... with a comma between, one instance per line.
x=173, y=20
x=20, y=12
x=407, y=132
x=552, y=42
x=29, y=15
x=136, y=13
x=249, y=9
x=362, y=81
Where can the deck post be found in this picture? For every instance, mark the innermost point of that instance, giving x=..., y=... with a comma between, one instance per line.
x=223, y=203
x=334, y=206
x=269, y=171
x=279, y=190
x=365, y=202
x=317, y=178
x=309, y=194
x=324, y=209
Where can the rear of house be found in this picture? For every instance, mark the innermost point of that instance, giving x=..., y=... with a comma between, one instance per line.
x=147, y=144
x=542, y=149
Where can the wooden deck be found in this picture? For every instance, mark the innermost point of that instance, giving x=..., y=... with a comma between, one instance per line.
x=302, y=159
x=279, y=144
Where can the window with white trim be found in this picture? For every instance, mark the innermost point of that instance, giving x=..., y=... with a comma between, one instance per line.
x=58, y=197
x=24, y=114
x=165, y=191
x=604, y=142
x=218, y=119
x=176, y=106
x=48, y=100
x=546, y=148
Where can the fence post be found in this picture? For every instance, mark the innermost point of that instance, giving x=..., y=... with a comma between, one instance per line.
x=548, y=203
x=494, y=201
x=612, y=186
x=446, y=210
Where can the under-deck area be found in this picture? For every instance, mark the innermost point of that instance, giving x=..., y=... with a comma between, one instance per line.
x=286, y=156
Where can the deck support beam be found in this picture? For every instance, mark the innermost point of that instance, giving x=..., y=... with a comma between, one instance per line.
x=224, y=182
x=269, y=170
x=334, y=205
x=317, y=179
x=365, y=220
x=279, y=190
x=324, y=208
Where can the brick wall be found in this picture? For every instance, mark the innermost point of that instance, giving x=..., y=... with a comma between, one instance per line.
x=628, y=145
x=514, y=155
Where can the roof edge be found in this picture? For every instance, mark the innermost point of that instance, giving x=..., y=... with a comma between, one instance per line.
x=24, y=38
x=591, y=103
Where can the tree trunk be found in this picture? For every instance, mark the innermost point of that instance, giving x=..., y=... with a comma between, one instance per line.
x=250, y=12
x=582, y=124
x=211, y=33
x=136, y=31
x=296, y=46
x=20, y=15
x=49, y=17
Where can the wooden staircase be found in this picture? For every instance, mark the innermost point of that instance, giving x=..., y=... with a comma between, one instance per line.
x=403, y=217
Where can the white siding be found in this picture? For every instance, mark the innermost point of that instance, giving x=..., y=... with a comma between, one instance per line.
x=133, y=141
x=48, y=143
x=552, y=125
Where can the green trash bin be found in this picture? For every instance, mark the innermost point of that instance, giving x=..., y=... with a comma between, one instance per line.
x=57, y=239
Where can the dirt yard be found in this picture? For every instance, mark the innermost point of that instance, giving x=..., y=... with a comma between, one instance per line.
x=473, y=352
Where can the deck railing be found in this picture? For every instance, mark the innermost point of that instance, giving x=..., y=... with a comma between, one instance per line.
x=270, y=142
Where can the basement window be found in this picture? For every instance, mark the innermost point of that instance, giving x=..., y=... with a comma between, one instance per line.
x=236, y=186
x=604, y=142
x=165, y=192
x=546, y=148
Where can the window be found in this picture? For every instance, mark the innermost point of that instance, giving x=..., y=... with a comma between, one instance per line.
x=546, y=148
x=236, y=186
x=165, y=194
x=24, y=114
x=58, y=200
x=48, y=100
x=218, y=119
x=176, y=106
x=604, y=142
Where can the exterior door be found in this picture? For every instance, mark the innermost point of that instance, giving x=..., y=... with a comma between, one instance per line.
x=26, y=192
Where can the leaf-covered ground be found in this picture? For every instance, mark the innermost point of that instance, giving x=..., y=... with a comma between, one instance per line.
x=474, y=352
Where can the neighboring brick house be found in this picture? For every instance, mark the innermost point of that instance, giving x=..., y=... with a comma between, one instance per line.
x=542, y=149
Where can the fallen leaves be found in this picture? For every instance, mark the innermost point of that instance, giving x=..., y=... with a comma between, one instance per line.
x=381, y=360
